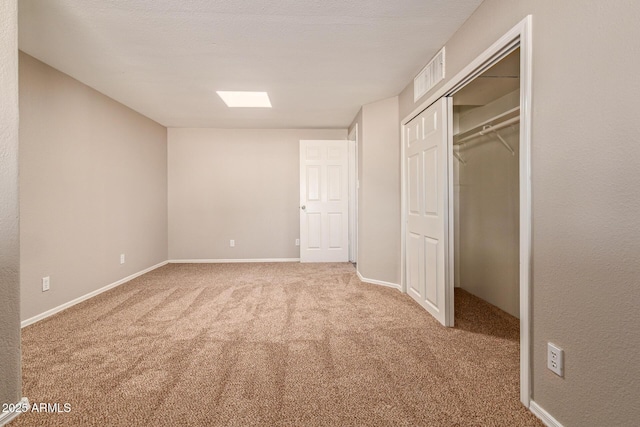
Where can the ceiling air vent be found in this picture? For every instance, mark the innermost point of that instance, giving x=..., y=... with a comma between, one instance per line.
x=429, y=76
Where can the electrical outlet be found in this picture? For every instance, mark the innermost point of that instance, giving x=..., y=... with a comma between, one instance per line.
x=232, y=243
x=45, y=284
x=555, y=359
x=121, y=258
x=297, y=242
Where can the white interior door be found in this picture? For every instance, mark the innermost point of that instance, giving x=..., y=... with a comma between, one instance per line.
x=427, y=186
x=324, y=201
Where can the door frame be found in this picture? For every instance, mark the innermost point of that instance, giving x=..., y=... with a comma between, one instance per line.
x=519, y=36
x=353, y=195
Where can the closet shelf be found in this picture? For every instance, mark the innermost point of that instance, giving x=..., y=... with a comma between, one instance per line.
x=494, y=124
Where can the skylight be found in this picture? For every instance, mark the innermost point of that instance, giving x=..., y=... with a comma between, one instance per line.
x=235, y=99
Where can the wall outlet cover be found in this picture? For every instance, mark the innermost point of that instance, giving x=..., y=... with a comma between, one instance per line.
x=555, y=359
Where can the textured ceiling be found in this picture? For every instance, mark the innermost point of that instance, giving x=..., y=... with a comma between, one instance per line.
x=319, y=60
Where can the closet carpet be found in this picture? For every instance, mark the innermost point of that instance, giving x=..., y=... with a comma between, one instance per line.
x=281, y=344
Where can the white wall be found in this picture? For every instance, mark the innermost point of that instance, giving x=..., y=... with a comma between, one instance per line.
x=379, y=192
x=10, y=376
x=585, y=179
x=93, y=185
x=240, y=184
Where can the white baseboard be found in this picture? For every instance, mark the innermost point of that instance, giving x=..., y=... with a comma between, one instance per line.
x=230, y=261
x=66, y=305
x=544, y=416
x=378, y=282
x=5, y=417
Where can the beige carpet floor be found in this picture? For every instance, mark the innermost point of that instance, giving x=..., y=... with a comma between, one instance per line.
x=270, y=345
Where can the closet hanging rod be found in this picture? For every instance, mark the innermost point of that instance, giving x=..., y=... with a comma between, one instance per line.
x=493, y=121
x=488, y=129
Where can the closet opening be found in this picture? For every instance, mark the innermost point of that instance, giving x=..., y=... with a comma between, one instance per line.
x=486, y=193
x=477, y=198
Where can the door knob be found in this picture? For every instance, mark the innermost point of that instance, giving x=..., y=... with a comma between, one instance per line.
x=303, y=207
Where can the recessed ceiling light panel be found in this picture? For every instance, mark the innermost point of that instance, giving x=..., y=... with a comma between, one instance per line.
x=235, y=99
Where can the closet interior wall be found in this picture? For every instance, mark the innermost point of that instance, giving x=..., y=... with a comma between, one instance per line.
x=486, y=186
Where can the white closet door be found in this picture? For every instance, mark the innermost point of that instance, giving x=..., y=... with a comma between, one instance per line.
x=426, y=157
x=324, y=201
